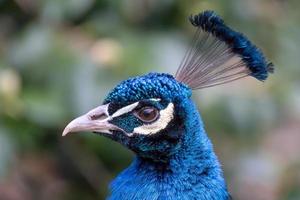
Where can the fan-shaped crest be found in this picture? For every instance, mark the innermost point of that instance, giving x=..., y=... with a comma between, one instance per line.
x=219, y=55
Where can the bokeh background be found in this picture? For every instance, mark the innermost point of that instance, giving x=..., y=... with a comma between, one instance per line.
x=58, y=59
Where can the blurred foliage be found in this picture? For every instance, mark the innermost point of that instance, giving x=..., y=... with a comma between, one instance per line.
x=58, y=59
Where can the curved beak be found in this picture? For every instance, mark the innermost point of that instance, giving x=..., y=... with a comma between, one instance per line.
x=95, y=120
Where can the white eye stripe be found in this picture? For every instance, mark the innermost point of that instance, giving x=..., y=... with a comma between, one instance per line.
x=166, y=116
x=128, y=108
x=155, y=99
x=125, y=110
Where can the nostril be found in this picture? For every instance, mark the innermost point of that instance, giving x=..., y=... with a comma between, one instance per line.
x=98, y=116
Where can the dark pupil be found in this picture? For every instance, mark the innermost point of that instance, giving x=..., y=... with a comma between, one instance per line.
x=148, y=114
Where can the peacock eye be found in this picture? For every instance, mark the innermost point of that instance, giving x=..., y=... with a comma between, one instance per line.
x=147, y=114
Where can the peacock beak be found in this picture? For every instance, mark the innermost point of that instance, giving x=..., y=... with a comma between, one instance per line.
x=96, y=120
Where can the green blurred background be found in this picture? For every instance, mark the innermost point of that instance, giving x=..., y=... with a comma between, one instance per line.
x=59, y=58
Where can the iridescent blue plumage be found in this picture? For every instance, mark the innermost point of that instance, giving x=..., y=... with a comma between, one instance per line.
x=160, y=85
x=177, y=163
x=154, y=116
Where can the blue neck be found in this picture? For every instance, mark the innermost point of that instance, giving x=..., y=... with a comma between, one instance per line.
x=193, y=172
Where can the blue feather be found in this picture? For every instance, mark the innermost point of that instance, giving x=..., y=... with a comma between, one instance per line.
x=210, y=22
x=160, y=85
x=192, y=173
x=176, y=161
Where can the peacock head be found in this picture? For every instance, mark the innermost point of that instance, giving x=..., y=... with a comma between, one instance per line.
x=145, y=113
x=148, y=114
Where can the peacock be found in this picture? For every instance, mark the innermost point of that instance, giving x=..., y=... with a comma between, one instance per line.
x=154, y=116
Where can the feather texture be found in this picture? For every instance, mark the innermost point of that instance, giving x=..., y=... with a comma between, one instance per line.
x=174, y=156
x=219, y=55
x=192, y=172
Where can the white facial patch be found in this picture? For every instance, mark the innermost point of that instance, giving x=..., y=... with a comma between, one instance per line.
x=128, y=109
x=155, y=99
x=165, y=117
x=125, y=110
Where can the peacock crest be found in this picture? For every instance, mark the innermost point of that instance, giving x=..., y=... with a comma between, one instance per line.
x=219, y=55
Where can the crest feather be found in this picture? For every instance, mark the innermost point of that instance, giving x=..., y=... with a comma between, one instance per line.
x=219, y=55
